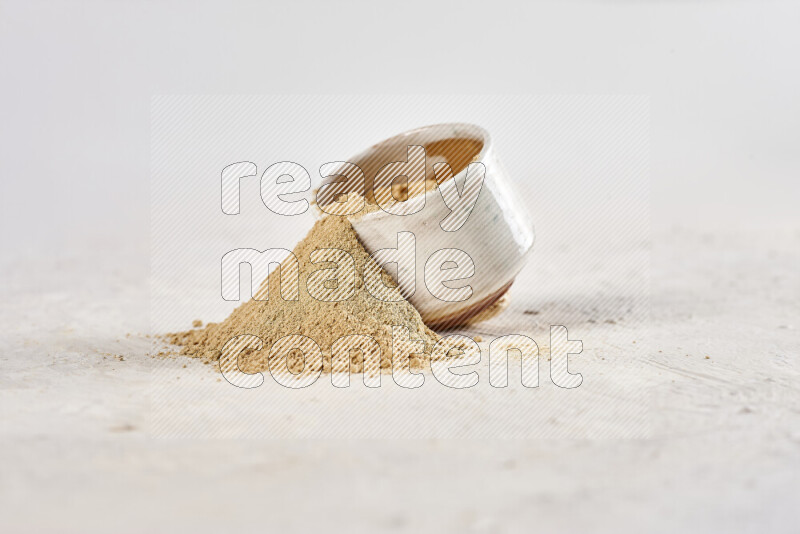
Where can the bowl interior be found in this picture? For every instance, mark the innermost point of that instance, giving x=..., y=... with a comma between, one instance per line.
x=455, y=144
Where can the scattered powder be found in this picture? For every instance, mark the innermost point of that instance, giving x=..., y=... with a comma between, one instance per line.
x=494, y=310
x=324, y=322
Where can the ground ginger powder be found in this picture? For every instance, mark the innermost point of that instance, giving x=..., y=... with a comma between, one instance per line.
x=324, y=322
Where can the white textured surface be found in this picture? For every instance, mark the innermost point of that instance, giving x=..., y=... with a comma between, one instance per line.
x=724, y=453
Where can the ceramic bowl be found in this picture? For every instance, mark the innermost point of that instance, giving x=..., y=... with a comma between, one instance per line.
x=497, y=236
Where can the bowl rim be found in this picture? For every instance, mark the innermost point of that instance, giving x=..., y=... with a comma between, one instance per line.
x=481, y=134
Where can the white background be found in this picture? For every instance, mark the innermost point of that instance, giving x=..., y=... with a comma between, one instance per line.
x=78, y=77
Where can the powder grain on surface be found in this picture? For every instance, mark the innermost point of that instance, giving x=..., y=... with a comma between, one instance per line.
x=324, y=322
